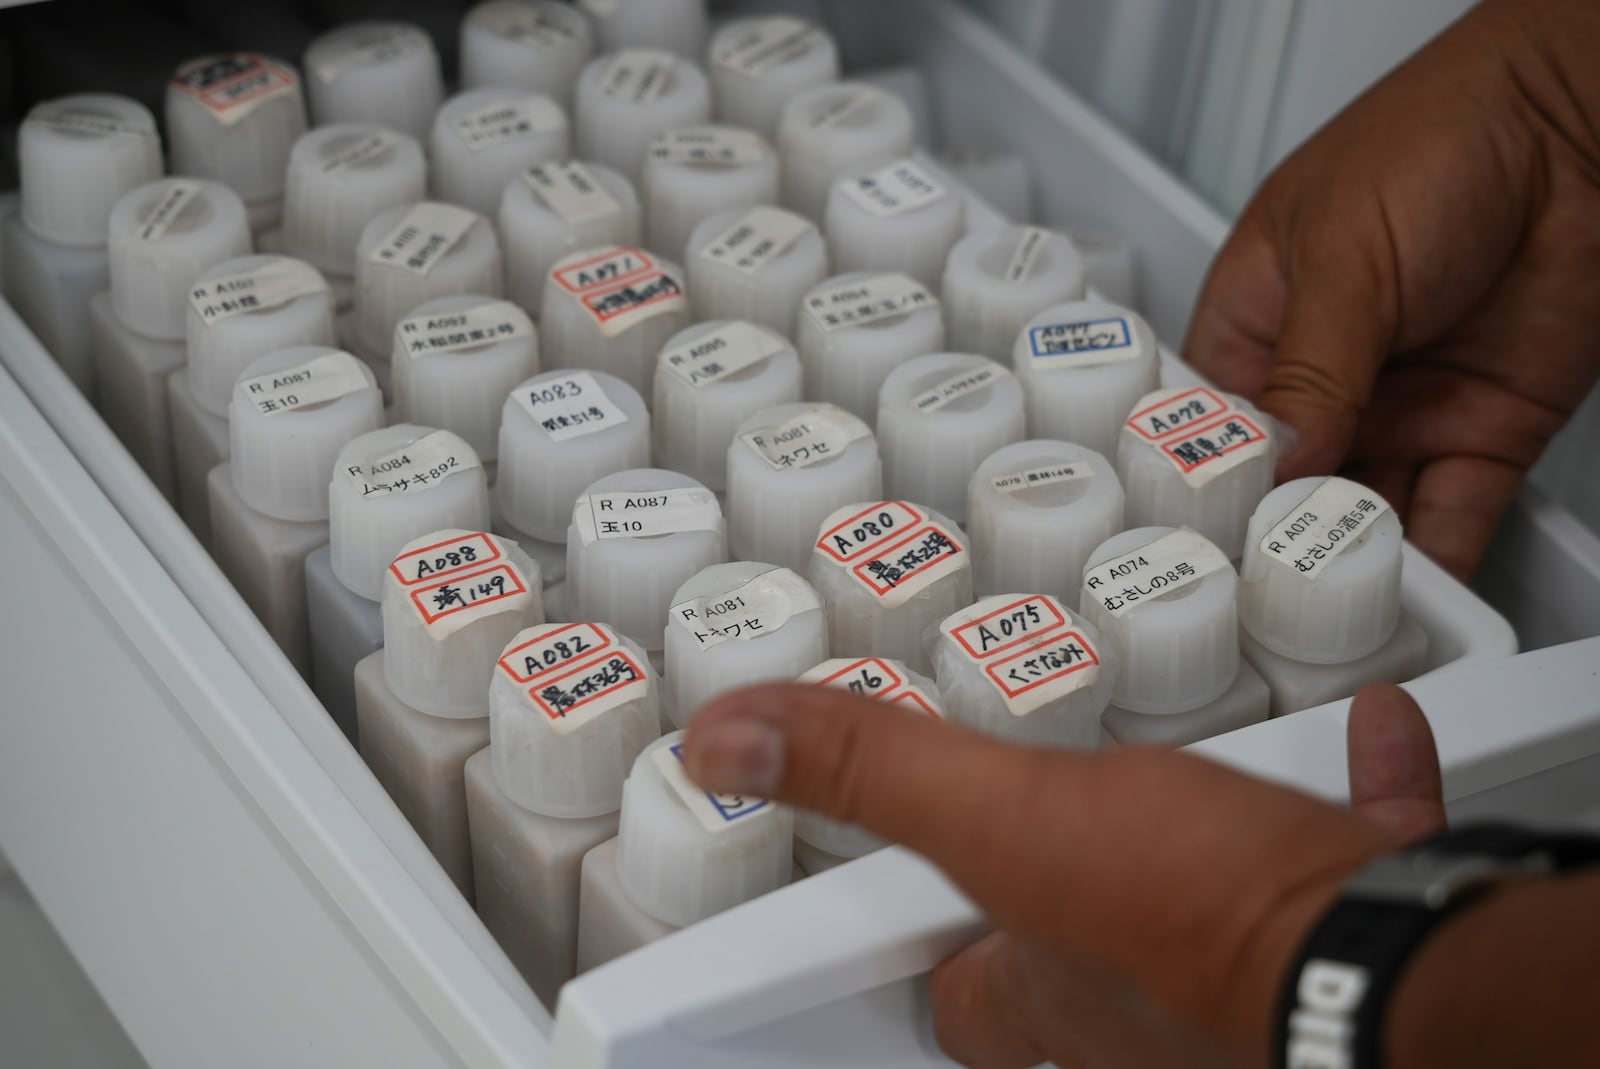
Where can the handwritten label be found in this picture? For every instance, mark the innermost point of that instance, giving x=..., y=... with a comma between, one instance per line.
x=424, y=235
x=414, y=467
x=753, y=48
x=316, y=382
x=891, y=548
x=570, y=407
x=272, y=285
x=448, y=605
x=233, y=86
x=751, y=610
x=856, y=304
x=455, y=332
x=572, y=191
x=903, y=186
x=87, y=123
x=573, y=673
x=368, y=46
x=619, y=287
x=715, y=812
x=525, y=24
x=1169, y=564
x=638, y=75
x=845, y=106
x=760, y=236
x=968, y=383
x=508, y=121
x=813, y=436
x=1083, y=343
x=1027, y=648
x=360, y=152
x=727, y=350
x=1330, y=520
x=1030, y=242
x=645, y=513
x=457, y=553
x=178, y=195
x=1049, y=475
x=711, y=146
x=1200, y=431
x=875, y=677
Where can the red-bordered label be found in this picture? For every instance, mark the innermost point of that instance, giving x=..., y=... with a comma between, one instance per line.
x=907, y=559
x=1217, y=439
x=447, y=597
x=1023, y=620
x=444, y=558
x=868, y=529
x=914, y=698
x=560, y=694
x=608, y=269
x=1178, y=414
x=238, y=80
x=869, y=676
x=1062, y=656
x=553, y=650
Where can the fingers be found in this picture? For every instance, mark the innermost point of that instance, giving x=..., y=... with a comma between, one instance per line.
x=1240, y=310
x=979, y=997
x=1394, y=769
x=1456, y=509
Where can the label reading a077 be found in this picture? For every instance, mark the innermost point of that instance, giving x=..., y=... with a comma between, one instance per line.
x=715, y=812
x=1083, y=343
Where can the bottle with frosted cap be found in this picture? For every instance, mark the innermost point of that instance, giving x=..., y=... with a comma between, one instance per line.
x=388, y=487
x=1167, y=599
x=832, y=131
x=1107, y=264
x=625, y=100
x=612, y=309
x=997, y=280
x=555, y=209
x=756, y=264
x=77, y=156
x=681, y=855
x=756, y=64
x=455, y=360
x=162, y=235
x=789, y=468
x=535, y=45
x=1319, y=601
x=906, y=83
x=900, y=217
x=1035, y=511
x=855, y=328
x=999, y=177
x=571, y=708
x=290, y=414
x=637, y=536
x=452, y=600
x=386, y=73
x=939, y=416
x=676, y=25
x=484, y=138
x=339, y=178
x=697, y=171
x=1083, y=365
x=1026, y=668
x=709, y=378
x=1199, y=458
x=887, y=572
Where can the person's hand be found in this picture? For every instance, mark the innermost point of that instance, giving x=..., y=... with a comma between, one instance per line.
x=1416, y=291
x=1147, y=902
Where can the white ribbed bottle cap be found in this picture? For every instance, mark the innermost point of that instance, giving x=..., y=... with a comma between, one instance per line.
x=233, y=118
x=855, y=328
x=901, y=217
x=939, y=416
x=997, y=280
x=611, y=309
x=1083, y=365
x=534, y=45
x=1322, y=571
x=292, y=411
x=162, y=236
x=757, y=64
x=625, y=100
x=735, y=625
x=339, y=178
x=678, y=26
x=414, y=253
x=484, y=138
x=756, y=264
x=684, y=854
x=570, y=708
x=698, y=171
x=77, y=156
x=241, y=309
x=1107, y=264
x=1196, y=457
x=1035, y=511
x=789, y=468
x=1024, y=667
x=637, y=536
x=836, y=130
x=556, y=209
x=1167, y=599
x=455, y=360
x=392, y=485
x=385, y=73
x=452, y=601
x=888, y=571
x=709, y=378
x=559, y=432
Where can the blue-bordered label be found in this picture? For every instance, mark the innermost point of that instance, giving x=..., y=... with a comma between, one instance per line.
x=715, y=812
x=1081, y=344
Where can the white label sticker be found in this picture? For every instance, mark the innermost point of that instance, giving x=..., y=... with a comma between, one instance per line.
x=1086, y=343
x=1065, y=472
x=1168, y=564
x=620, y=287
x=637, y=75
x=413, y=468
x=759, y=237
x=506, y=122
x=761, y=44
x=1027, y=648
x=524, y=24
x=445, y=606
x=721, y=146
x=901, y=187
x=371, y=46
x=818, y=434
x=1029, y=244
x=715, y=812
x=891, y=548
x=1200, y=431
x=470, y=328
x=572, y=191
x=88, y=123
x=645, y=513
x=874, y=677
x=1330, y=520
x=570, y=407
x=233, y=86
x=573, y=673
x=271, y=285
x=362, y=150
x=460, y=553
x=318, y=381
x=728, y=350
x=841, y=108
x=751, y=610
x=963, y=384
x=855, y=304
x=424, y=235
x=178, y=195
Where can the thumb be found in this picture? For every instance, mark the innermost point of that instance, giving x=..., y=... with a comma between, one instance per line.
x=1394, y=769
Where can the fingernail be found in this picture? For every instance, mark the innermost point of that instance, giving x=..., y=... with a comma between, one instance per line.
x=1288, y=438
x=739, y=756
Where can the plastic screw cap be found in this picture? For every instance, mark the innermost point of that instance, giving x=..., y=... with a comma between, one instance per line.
x=1322, y=562
x=900, y=217
x=678, y=26
x=1035, y=511
x=395, y=484
x=997, y=280
x=625, y=100
x=756, y=264
x=674, y=868
x=456, y=359
x=561, y=754
x=592, y=321
x=697, y=171
x=162, y=236
x=837, y=130
x=77, y=156
x=1167, y=599
x=559, y=210
x=484, y=138
x=1083, y=365
x=855, y=328
x=534, y=45
x=1000, y=178
x=939, y=416
x=552, y=446
x=709, y=378
x=1107, y=264
x=757, y=64
x=339, y=178
x=292, y=412
x=385, y=73
x=233, y=118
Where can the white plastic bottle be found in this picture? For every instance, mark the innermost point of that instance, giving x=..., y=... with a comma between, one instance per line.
x=836, y=130
x=676, y=25
x=384, y=73
x=899, y=217
x=535, y=45
x=856, y=328
x=756, y=264
x=1108, y=264
x=611, y=309
x=997, y=280
x=484, y=138
x=697, y=171
x=554, y=210
x=757, y=64
x=627, y=99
